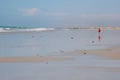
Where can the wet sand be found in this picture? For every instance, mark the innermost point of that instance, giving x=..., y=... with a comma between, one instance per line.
x=110, y=53
x=24, y=56
x=108, y=69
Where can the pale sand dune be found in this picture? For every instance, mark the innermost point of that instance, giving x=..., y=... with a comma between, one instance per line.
x=33, y=59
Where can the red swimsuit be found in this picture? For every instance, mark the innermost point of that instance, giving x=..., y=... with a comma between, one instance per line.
x=99, y=30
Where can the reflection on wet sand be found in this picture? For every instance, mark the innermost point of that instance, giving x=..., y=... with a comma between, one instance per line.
x=109, y=69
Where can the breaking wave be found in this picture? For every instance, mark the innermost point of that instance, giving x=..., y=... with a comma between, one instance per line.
x=23, y=29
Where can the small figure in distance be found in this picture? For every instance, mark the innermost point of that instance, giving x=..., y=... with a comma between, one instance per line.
x=84, y=53
x=72, y=37
x=93, y=41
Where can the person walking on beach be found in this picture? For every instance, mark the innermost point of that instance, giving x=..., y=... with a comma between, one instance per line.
x=99, y=30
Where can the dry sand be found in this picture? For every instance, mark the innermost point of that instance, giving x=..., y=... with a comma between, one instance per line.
x=34, y=59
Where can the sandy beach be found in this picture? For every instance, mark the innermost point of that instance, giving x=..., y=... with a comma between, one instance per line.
x=108, y=69
x=34, y=59
x=60, y=55
x=59, y=65
x=110, y=53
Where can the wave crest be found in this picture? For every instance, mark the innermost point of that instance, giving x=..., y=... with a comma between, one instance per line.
x=19, y=29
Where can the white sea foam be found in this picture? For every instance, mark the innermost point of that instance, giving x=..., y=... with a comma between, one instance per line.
x=25, y=30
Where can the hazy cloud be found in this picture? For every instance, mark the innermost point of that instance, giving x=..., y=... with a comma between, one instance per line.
x=91, y=20
x=30, y=12
x=37, y=11
x=99, y=16
x=55, y=14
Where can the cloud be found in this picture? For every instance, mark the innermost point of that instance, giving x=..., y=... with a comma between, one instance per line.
x=37, y=11
x=91, y=20
x=101, y=16
x=30, y=12
x=55, y=14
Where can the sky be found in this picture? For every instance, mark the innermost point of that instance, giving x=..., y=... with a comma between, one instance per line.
x=59, y=13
